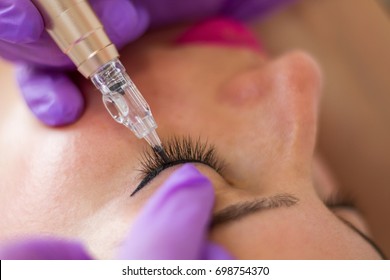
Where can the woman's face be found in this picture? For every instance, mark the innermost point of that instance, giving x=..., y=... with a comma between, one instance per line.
x=260, y=115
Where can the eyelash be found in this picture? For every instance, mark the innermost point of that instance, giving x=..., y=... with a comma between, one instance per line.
x=182, y=150
x=178, y=150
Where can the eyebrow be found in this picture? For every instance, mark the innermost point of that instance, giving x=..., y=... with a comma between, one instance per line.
x=239, y=210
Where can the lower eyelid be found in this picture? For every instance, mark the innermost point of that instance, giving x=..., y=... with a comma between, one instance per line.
x=178, y=150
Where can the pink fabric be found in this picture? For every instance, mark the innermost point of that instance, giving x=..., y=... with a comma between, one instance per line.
x=221, y=31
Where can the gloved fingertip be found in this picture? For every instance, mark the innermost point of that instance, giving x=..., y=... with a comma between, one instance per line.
x=51, y=96
x=214, y=251
x=44, y=249
x=20, y=21
x=174, y=222
x=122, y=20
x=187, y=181
x=251, y=9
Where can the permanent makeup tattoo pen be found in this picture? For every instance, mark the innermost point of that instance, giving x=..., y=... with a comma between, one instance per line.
x=80, y=35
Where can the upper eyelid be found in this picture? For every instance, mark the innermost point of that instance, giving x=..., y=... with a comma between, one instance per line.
x=179, y=151
x=364, y=236
x=183, y=149
x=354, y=228
x=333, y=202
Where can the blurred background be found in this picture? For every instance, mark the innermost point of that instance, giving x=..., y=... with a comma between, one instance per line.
x=386, y=4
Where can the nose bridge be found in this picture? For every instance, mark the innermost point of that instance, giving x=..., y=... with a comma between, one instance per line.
x=302, y=79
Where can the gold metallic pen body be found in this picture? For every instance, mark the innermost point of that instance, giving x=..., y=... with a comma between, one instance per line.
x=78, y=32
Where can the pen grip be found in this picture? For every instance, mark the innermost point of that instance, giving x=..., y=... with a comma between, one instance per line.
x=78, y=32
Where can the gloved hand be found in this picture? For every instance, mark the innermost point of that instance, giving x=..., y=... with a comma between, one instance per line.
x=172, y=225
x=50, y=94
x=171, y=11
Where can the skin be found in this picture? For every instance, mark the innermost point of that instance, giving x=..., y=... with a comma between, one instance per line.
x=353, y=129
x=261, y=115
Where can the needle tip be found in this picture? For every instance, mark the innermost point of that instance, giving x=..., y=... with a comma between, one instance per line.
x=160, y=151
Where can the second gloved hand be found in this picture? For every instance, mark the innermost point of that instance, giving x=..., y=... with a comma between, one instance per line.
x=48, y=91
x=173, y=225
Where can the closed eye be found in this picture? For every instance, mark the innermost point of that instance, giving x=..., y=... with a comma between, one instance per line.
x=178, y=151
x=333, y=206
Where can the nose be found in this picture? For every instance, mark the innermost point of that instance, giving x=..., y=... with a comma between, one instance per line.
x=273, y=110
x=295, y=75
x=284, y=91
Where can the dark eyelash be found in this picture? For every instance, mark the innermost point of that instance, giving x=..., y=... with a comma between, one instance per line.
x=337, y=199
x=178, y=150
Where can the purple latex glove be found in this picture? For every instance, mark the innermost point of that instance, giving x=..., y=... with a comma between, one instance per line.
x=173, y=225
x=171, y=11
x=50, y=94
